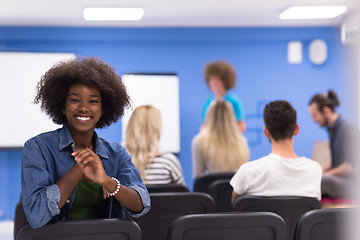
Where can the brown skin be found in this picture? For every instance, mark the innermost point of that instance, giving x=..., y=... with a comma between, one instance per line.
x=234, y=196
x=326, y=118
x=83, y=109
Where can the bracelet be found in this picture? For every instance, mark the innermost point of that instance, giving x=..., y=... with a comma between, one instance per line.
x=117, y=187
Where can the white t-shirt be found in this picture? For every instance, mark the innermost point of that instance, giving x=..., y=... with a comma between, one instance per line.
x=274, y=175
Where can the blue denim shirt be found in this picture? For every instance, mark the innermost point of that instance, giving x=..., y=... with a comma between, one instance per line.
x=47, y=157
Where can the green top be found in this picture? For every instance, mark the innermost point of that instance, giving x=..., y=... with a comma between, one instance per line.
x=87, y=199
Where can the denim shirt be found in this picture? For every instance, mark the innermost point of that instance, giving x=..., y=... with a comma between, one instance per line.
x=47, y=157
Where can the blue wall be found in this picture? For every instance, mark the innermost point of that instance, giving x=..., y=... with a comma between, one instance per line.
x=259, y=56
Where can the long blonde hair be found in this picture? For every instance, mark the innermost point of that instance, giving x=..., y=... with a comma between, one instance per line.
x=143, y=135
x=220, y=139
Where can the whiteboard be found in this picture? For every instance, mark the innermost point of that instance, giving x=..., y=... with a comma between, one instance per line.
x=161, y=91
x=19, y=74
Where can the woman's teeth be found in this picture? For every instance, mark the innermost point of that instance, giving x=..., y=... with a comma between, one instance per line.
x=83, y=118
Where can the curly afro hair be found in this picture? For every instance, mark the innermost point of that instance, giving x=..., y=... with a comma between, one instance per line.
x=223, y=70
x=54, y=85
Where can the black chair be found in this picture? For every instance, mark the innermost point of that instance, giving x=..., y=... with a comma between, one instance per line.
x=221, y=192
x=228, y=226
x=326, y=224
x=159, y=188
x=165, y=207
x=94, y=229
x=19, y=218
x=290, y=208
x=203, y=182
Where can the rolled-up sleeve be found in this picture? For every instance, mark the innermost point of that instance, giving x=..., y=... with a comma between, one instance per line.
x=53, y=199
x=129, y=176
x=40, y=195
x=145, y=199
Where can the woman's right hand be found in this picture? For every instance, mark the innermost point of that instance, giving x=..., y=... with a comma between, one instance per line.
x=91, y=165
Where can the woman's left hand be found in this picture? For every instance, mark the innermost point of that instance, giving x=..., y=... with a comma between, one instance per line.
x=91, y=165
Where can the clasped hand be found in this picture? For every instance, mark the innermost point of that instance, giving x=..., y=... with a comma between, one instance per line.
x=91, y=165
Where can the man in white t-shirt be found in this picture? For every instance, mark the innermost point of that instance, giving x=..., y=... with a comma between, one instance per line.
x=282, y=172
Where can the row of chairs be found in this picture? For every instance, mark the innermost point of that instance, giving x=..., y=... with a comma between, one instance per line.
x=168, y=206
x=313, y=225
x=316, y=224
x=215, y=184
x=93, y=229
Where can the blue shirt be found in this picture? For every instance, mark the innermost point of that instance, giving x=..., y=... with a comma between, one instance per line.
x=235, y=102
x=47, y=157
x=344, y=142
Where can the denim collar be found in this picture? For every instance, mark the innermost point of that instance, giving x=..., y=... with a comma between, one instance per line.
x=66, y=141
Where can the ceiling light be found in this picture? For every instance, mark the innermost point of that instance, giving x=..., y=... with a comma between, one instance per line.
x=113, y=14
x=312, y=12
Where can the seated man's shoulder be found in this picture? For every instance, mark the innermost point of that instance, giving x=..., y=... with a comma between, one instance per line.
x=255, y=164
x=310, y=161
x=312, y=165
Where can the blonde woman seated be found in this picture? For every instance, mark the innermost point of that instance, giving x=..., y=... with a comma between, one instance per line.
x=142, y=142
x=220, y=146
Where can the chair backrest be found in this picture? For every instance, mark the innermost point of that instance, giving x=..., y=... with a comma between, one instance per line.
x=228, y=226
x=326, y=224
x=221, y=192
x=290, y=208
x=203, y=182
x=94, y=229
x=159, y=188
x=19, y=218
x=165, y=207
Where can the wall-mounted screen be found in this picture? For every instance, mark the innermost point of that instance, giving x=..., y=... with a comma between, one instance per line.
x=19, y=74
x=161, y=91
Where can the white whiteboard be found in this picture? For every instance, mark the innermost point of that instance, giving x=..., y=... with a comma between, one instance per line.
x=19, y=74
x=161, y=91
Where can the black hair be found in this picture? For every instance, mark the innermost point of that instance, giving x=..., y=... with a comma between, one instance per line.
x=56, y=82
x=330, y=100
x=280, y=119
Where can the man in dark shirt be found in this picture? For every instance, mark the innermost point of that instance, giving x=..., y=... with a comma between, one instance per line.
x=339, y=180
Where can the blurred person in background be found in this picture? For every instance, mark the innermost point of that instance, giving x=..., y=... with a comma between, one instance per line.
x=220, y=146
x=339, y=180
x=282, y=172
x=143, y=135
x=221, y=77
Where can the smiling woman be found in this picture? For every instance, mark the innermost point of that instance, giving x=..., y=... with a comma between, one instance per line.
x=82, y=109
x=63, y=169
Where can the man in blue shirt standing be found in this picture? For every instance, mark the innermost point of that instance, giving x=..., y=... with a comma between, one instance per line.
x=339, y=180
